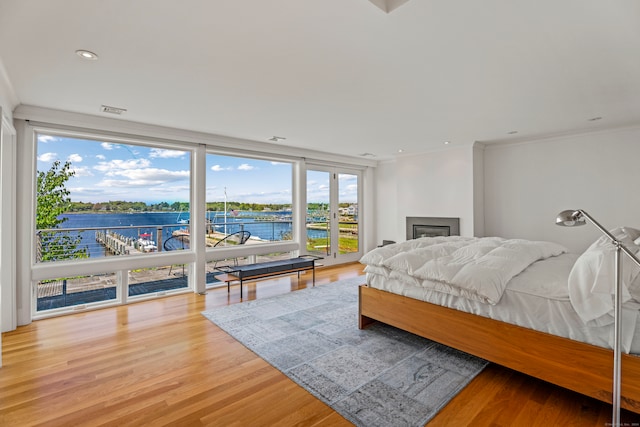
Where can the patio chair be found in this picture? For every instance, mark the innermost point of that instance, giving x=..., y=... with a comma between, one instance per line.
x=175, y=243
x=237, y=238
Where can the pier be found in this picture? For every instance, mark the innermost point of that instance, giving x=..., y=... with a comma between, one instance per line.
x=115, y=243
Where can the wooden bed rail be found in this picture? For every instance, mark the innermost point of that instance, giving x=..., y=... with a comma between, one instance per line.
x=574, y=365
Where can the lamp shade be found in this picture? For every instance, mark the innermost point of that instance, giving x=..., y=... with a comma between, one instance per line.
x=570, y=218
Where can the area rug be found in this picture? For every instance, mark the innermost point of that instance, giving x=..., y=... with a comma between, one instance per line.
x=380, y=376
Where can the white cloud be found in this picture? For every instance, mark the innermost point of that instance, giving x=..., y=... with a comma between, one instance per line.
x=100, y=157
x=346, y=177
x=165, y=154
x=114, y=166
x=218, y=168
x=48, y=157
x=282, y=196
x=84, y=193
x=107, y=146
x=142, y=178
x=152, y=174
x=180, y=190
x=82, y=171
x=74, y=158
x=245, y=167
x=47, y=138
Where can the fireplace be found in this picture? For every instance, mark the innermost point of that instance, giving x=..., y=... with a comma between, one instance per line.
x=432, y=227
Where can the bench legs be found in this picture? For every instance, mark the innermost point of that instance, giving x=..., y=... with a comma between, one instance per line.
x=313, y=272
x=229, y=286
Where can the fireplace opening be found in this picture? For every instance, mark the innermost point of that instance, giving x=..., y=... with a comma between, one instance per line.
x=432, y=227
x=431, y=231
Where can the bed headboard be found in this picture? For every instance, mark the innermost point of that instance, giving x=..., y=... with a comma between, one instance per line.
x=418, y=226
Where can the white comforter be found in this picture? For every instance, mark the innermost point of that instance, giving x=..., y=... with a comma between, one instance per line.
x=470, y=267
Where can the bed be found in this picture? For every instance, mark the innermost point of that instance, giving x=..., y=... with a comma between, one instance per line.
x=530, y=306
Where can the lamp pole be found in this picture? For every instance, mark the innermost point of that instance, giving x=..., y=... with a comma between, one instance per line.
x=571, y=218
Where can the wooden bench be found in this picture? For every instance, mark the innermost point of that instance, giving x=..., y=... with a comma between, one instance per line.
x=260, y=270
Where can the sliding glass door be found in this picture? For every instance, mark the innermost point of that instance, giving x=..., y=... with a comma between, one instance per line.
x=332, y=221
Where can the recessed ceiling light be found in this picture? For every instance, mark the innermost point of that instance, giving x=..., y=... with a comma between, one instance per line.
x=594, y=119
x=86, y=54
x=400, y=150
x=112, y=110
x=277, y=138
x=447, y=142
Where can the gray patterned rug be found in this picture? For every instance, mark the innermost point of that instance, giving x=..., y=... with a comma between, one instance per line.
x=380, y=376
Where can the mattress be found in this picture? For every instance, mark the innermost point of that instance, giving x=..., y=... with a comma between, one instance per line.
x=537, y=298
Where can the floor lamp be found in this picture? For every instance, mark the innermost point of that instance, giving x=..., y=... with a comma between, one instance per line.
x=572, y=218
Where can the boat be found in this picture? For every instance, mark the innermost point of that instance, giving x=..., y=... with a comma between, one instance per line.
x=181, y=221
x=145, y=244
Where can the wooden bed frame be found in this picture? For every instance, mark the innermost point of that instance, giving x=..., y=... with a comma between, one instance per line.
x=577, y=366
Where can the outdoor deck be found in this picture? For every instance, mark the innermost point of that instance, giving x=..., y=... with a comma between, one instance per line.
x=103, y=288
x=97, y=288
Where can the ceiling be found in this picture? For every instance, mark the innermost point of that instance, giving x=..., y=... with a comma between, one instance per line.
x=343, y=76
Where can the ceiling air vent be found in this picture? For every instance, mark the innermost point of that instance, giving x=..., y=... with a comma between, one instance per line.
x=112, y=110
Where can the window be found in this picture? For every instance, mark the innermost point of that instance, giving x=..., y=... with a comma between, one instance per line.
x=332, y=221
x=101, y=199
x=248, y=199
x=97, y=199
x=114, y=216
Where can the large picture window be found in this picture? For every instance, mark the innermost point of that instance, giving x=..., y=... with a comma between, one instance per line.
x=119, y=218
x=100, y=199
x=249, y=201
x=96, y=199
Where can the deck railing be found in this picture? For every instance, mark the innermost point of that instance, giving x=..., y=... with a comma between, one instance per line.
x=92, y=242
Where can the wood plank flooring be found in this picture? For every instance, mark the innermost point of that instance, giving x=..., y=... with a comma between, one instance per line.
x=161, y=362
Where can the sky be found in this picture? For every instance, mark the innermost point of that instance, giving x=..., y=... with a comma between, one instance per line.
x=106, y=171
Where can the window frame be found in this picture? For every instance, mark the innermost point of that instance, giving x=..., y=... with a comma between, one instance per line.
x=119, y=265
x=195, y=259
x=30, y=119
x=292, y=245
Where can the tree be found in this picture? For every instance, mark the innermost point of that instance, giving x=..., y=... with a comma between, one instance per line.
x=52, y=200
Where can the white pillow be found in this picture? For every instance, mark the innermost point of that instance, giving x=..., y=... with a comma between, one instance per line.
x=592, y=278
x=634, y=288
x=631, y=233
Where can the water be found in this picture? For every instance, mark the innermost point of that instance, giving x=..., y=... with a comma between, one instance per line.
x=272, y=226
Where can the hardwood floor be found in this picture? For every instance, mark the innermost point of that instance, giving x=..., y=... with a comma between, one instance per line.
x=161, y=362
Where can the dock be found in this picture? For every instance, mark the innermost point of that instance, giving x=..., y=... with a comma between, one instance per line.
x=115, y=243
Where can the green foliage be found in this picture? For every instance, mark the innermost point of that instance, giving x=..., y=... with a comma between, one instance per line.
x=52, y=200
x=52, y=196
x=248, y=207
x=115, y=206
x=180, y=206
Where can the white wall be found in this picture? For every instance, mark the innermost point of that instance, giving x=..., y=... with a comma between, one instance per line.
x=527, y=184
x=438, y=184
x=386, y=203
x=8, y=99
x=478, y=190
x=8, y=319
x=8, y=102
